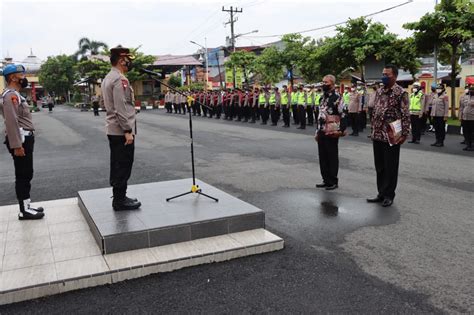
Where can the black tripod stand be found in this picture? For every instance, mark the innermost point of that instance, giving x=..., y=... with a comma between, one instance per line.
x=195, y=189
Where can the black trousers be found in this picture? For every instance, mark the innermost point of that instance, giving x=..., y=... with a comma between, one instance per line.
x=23, y=168
x=177, y=108
x=440, y=132
x=296, y=116
x=302, y=114
x=121, y=162
x=183, y=107
x=286, y=114
x=264, y=113
x=246, y=113
x=362, y=120
x=468, y=131
x=253, y=113
x=328, y=151
x=218, y=111
x=274, y=114
x=415, y=127
x=169, y=108
x=310, y=114
x=354, y=121
x=386, y=159
x=95, y=107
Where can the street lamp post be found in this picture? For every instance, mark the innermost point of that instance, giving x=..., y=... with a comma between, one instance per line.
x=205, y=58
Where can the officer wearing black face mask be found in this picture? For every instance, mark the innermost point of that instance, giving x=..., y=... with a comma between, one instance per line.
x=19, y=132
x=119, y=103
x=332, y=125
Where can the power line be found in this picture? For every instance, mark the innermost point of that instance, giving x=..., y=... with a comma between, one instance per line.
x=336, y=24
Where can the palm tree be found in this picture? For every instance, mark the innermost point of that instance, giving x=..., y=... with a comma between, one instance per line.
x=89, y=46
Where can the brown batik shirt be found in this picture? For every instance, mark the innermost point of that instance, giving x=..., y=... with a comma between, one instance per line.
x=390, y=105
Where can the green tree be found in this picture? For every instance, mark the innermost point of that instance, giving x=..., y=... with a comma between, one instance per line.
x=244, y=60
x=404, y=54
x=174, y=81
x=141, y=61
x=89, y=47
x=449, y=26
x=293, y=53
x=57, y=74
x=360, y=39
x=268, y=66
x=92, y=69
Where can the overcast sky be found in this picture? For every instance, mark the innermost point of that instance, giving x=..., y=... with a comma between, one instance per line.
x=166, y=27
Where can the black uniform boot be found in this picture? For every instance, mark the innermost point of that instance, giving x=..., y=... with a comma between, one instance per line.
x=131, y=199
x=28, y=213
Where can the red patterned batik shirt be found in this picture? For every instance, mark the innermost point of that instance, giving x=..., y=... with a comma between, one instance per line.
x=390, y=105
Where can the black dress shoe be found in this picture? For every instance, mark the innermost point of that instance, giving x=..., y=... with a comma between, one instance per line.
x=463, y=142
x=412, y=141
x=468, y=149
x=322, y=185
x=439, y=145
x=331, y=187
x=301, y=128
x=125, y=204
x=376, y=199
x=387, y=202
x=434, y=144
x=30, y=214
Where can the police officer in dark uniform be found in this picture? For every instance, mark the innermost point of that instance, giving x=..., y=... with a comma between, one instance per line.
x=118, y=101
x=20, y=140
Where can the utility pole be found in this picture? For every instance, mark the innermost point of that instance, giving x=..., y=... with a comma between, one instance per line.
x=232, y=10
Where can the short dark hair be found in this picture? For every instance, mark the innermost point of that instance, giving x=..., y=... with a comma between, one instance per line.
x=394, y=69
x=114, y=58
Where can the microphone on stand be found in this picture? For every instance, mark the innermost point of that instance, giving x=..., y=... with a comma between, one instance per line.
x=142, y=70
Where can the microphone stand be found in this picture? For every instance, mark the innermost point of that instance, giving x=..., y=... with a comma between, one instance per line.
x=195, y=189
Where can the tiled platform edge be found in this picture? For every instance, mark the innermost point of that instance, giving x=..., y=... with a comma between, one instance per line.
x=70, y=259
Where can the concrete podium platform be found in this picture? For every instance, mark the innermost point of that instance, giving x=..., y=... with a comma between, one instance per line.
x=159, y=222
x=59, y=253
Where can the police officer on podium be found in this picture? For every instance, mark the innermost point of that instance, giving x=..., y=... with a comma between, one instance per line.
x=118, y=101
x=19, y=138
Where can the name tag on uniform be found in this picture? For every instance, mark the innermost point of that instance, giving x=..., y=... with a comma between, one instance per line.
x=124, y=84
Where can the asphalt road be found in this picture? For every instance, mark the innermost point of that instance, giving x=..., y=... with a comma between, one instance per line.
x=342, y=255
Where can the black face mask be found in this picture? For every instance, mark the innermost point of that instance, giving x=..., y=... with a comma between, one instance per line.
x=23, y=82
x=326, y=87
x=129, y=65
